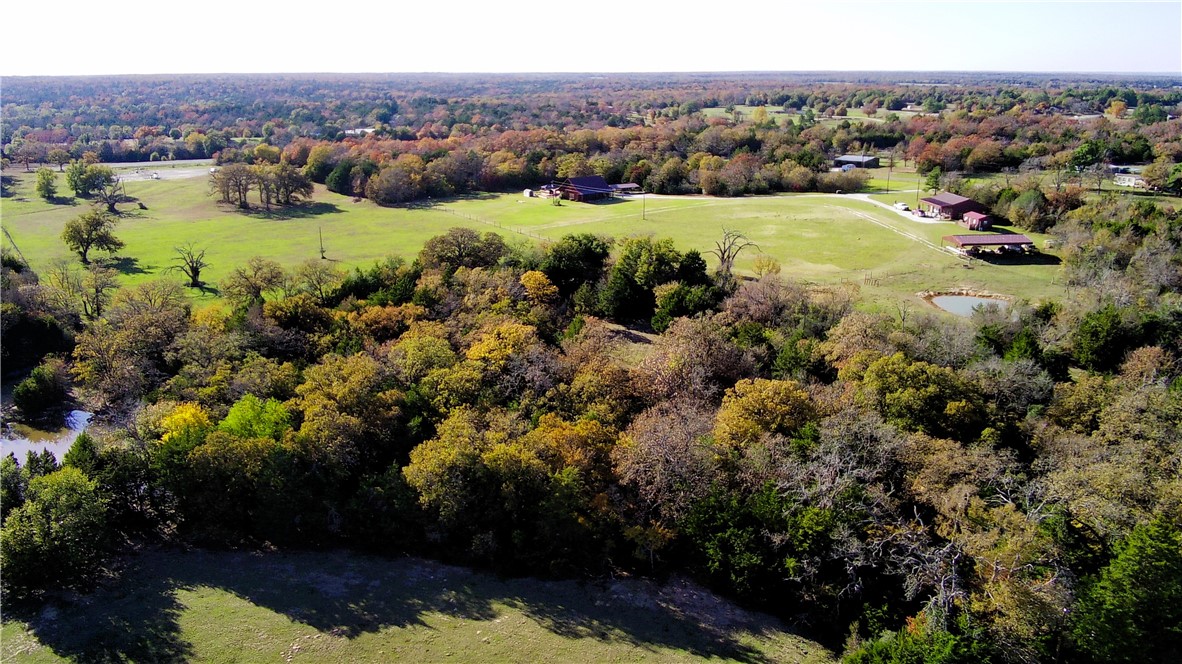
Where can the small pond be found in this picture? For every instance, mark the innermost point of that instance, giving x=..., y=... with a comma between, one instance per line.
x=963, y=305
x=21, y=439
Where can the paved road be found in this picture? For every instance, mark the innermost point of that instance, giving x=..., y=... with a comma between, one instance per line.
x=910, y=216
x=859, y=197
x=146, y=173
x=162, y=165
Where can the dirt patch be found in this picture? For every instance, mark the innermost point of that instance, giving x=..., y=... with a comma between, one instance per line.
x=967, y=292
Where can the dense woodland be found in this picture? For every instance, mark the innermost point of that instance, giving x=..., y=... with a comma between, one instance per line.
x=908, y=487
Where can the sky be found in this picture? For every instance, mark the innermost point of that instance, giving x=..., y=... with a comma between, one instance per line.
x=226, y=36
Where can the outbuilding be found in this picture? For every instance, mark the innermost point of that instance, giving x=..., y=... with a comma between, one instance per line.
x=1002, y=242
x=976, y=221
x=856, y=160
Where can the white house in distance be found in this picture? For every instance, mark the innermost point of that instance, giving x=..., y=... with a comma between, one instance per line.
x=1129, y=180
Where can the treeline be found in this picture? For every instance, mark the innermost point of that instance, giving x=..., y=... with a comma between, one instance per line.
x=724, y=158
x=144, y=118
x=999, y=489
x=50, y=110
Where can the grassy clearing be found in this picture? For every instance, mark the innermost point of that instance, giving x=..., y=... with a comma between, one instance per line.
x=817, y=238
x=222, y=607
x=777, y=113
x=820, y=239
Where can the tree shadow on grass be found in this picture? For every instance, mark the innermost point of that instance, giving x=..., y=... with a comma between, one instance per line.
x=125, y=265
x=130, y=213
x=293, y=212
x=432, y=203
x=211, y=291
x=63, y=200
x=643, y=616
x=136, y=621
x=137, y=617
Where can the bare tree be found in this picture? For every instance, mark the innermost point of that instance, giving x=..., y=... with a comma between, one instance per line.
x=728, y=248
x=1097, y=173
x=89, y=291
x=98, y=284
x=192, y=262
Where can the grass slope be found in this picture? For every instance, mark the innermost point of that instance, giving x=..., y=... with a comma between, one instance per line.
x=226, y=607
x=817, y=238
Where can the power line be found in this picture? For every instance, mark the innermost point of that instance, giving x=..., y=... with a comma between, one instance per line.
x=13, y=243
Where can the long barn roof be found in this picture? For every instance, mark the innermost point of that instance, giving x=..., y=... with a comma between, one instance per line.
x=988, y=240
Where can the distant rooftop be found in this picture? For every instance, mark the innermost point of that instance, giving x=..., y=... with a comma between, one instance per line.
x=947, y=199
x=588, y=184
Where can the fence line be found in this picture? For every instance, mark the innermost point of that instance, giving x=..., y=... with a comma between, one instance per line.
x=497, y=224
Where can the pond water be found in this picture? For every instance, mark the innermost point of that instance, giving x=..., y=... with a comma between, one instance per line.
x=21, y=439
x=963, y=305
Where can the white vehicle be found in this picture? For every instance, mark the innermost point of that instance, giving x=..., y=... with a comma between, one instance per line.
x=902, y=207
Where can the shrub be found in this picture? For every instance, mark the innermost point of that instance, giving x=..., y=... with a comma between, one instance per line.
x=45, y=389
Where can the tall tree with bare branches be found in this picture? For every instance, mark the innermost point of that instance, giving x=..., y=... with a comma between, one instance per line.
x=728, y=249
x=191, y=262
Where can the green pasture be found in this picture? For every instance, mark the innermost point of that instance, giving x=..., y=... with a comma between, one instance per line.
x=777, y=112
x=313, y=607
x=824, y=239
x=773, y=112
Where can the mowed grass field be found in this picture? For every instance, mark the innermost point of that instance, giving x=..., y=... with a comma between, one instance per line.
x=821, y=239
x=204, y=606
x=777, y=113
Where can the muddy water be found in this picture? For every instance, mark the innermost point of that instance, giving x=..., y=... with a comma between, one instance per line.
x=21, y=439
x=963, y=305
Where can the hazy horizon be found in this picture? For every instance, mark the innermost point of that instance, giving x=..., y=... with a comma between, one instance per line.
x=137, y=37
x=475, y=72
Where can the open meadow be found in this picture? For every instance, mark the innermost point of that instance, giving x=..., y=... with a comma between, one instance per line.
x=205, y=606
x=817, y=238
x=779, y=115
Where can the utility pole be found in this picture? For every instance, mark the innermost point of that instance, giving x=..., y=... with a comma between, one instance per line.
x=321, y=231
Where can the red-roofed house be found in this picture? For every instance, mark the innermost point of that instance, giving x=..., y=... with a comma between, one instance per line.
x=950, y=206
